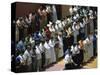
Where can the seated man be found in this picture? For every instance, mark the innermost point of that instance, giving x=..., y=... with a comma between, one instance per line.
x=68, y=60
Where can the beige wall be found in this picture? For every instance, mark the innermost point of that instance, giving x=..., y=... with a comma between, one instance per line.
x=23, y=9
x=65, y=10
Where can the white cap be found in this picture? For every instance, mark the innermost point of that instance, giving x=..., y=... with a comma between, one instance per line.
x=50, y=22
x=74, y=23
x=58, y=21
x=75, y=9
x=48, y=25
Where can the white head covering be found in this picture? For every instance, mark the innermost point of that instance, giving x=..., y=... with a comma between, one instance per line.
x=18, y=21
x=48, y=8
x=77, y=15
x=58, y=21
x=46, y=45
x=77, y=49
x=75, y=9
x=50, y=22
x=68, y=59
x=48, y=25
x=77, y=27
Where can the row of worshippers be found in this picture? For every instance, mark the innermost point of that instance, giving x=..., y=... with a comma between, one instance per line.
x=57, y=51
x=81, y=52
x=41, y=53
x=35, y=21
x=87, y=37
x=60, y=32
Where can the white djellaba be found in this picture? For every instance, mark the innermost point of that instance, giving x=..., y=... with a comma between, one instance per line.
x=60, y=46
x=38, y=54
x=27, y=57
x=75, y=31
x=86, y=49
x=68, y=59
x=91, y=45
x=47, y=53
x=75, y=50
x=41, y=46
x=53, y=56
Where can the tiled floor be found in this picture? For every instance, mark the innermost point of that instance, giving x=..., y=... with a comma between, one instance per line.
x=60, y=65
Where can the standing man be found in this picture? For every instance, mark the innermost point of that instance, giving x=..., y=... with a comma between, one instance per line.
x=68, y=60
x=41, y=46
x=60, y=45
x=52, y=44
x=47, y=53
x=28, y=59
x=38, y=54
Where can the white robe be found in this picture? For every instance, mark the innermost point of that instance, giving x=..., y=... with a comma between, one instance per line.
x=91, y=25
x=87, y=53
x=61, y=46
x=86, y=58
x=27, y=58
x=53, y=56
x=75, y=32
x=68, y=59
x=88, y=48
x=91, y=46
x=38, y=53
x=41, y=46
x=75, y=50
x=47, y=51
